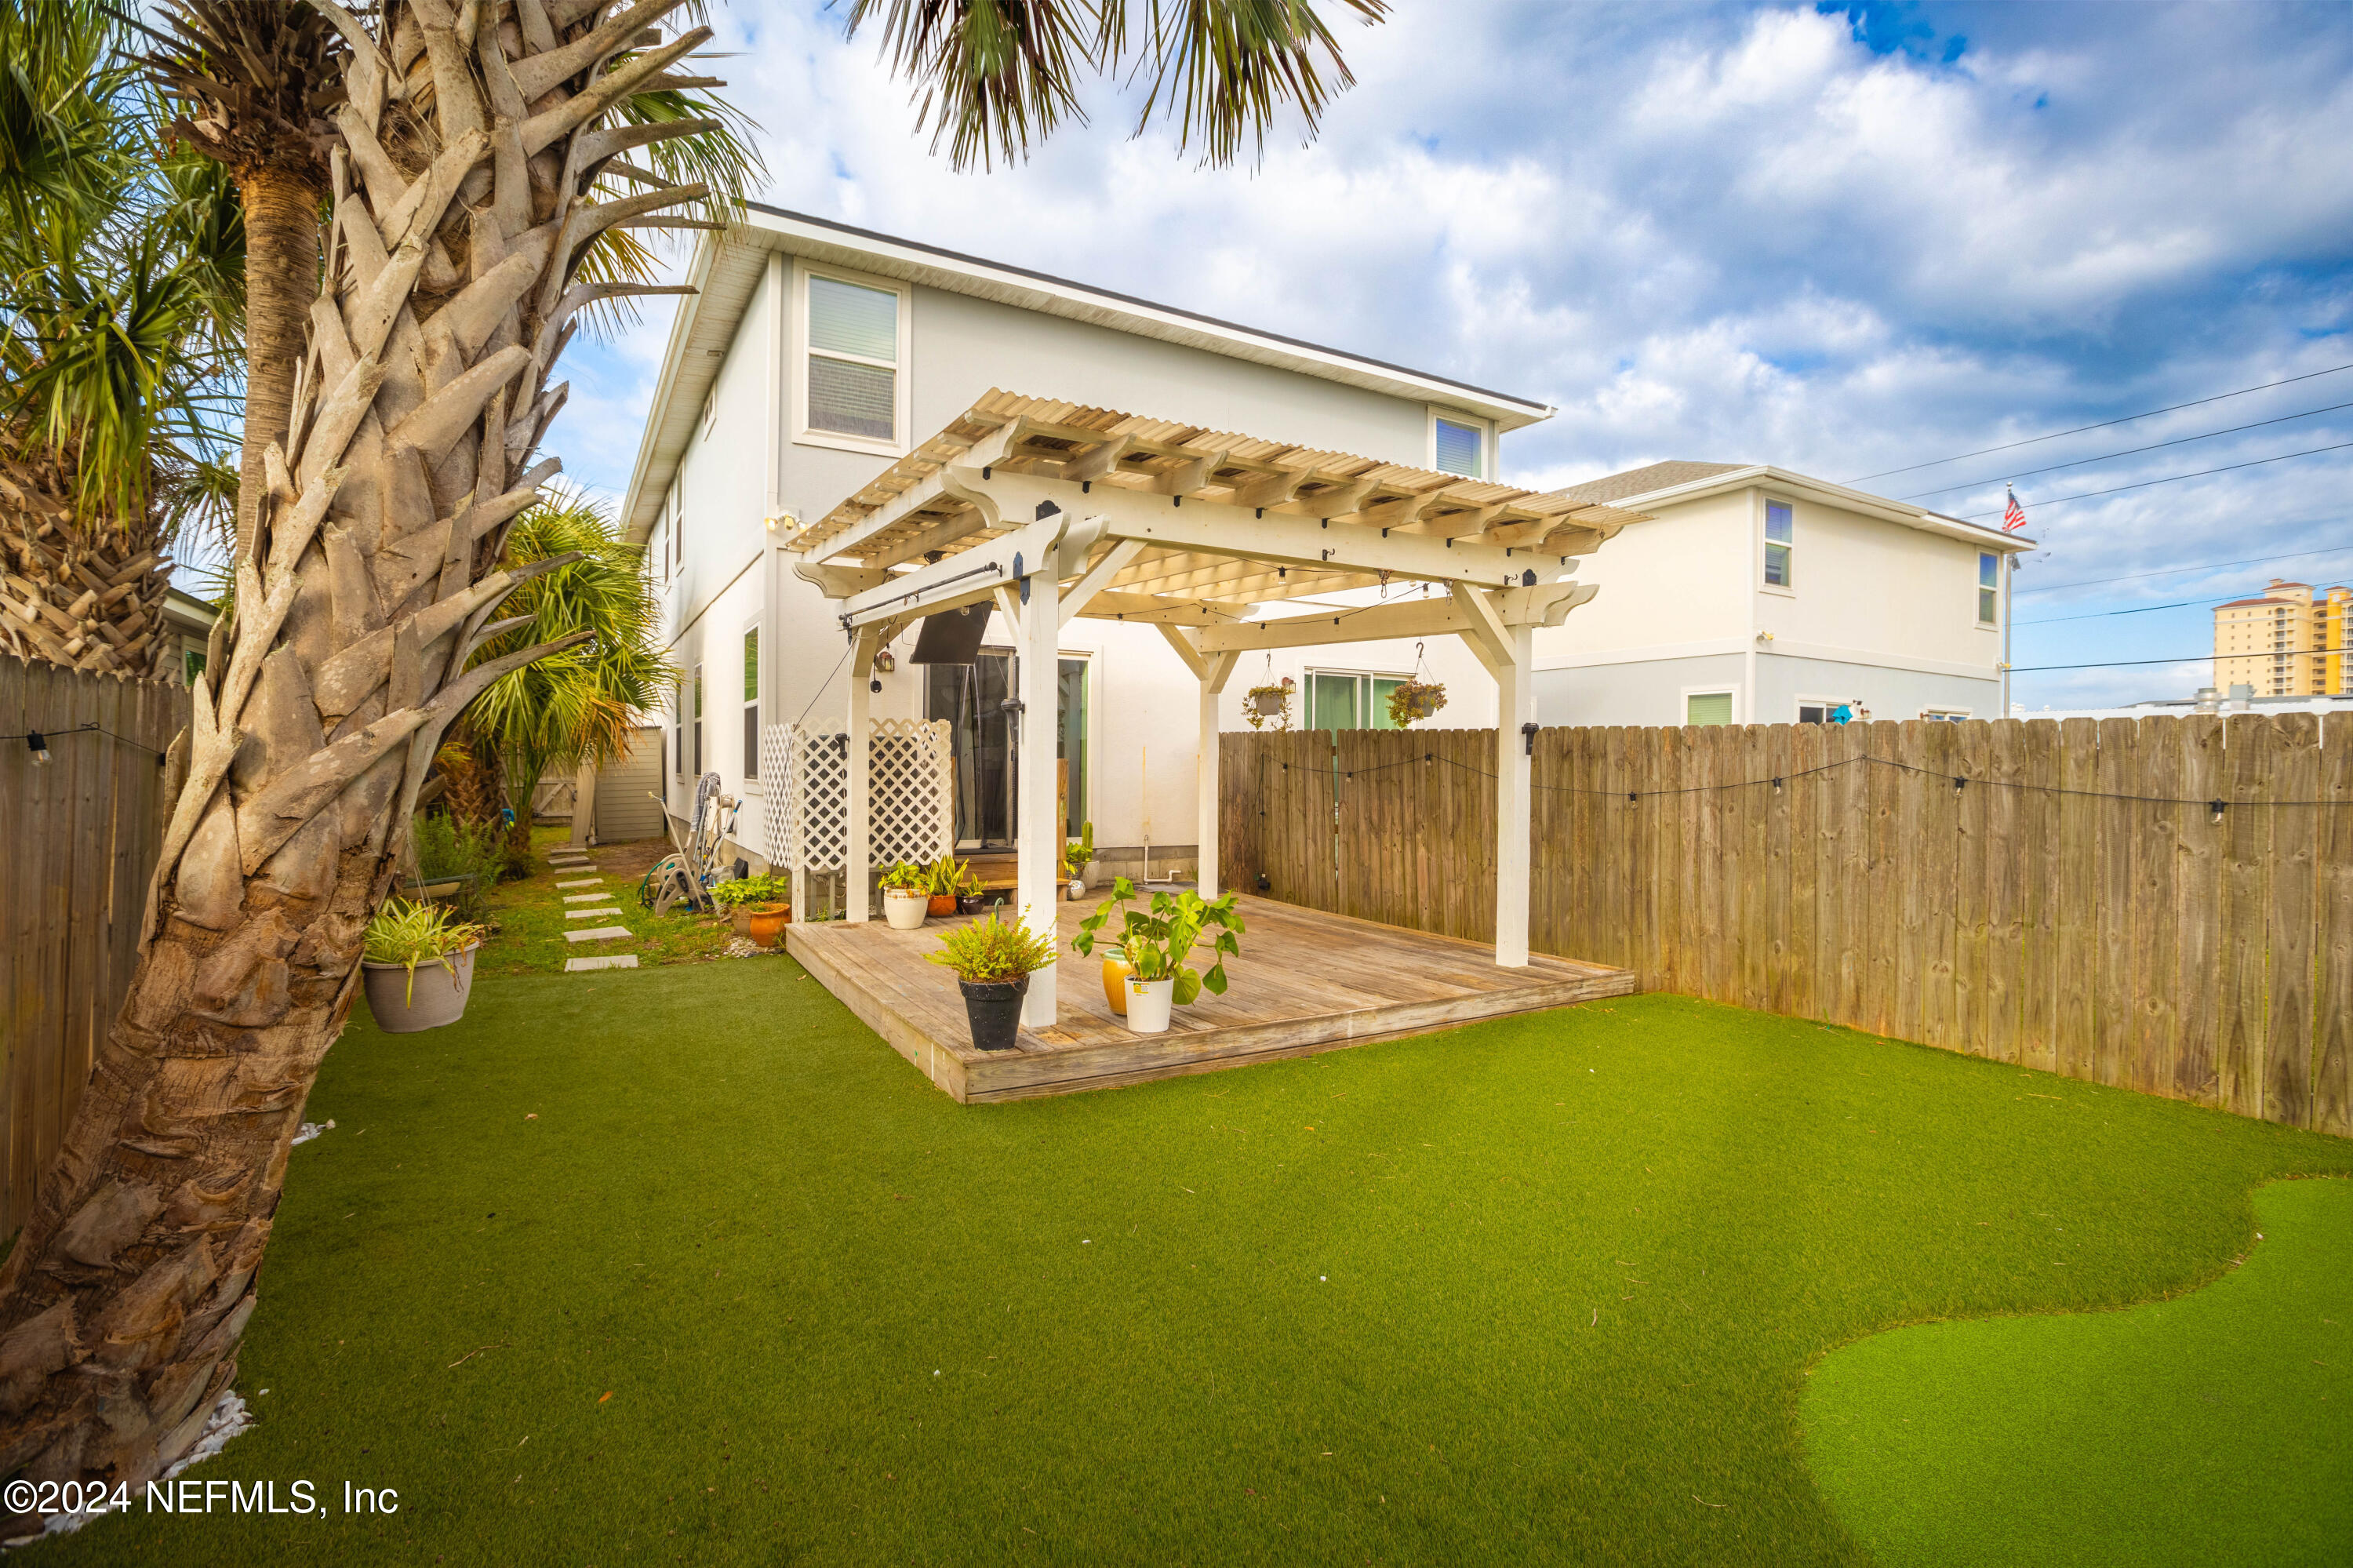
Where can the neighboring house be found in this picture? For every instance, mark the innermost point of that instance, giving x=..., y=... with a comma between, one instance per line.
x=1758, y=595
x=815, y=355
x=187, y=625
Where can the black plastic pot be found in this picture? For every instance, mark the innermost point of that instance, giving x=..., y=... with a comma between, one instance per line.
x=994, y=1009
x=969, y=903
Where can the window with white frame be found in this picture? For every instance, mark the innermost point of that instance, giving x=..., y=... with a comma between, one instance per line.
x=1708, y=707
x=678, y=729
x=1458, y=446
x=1988, y=587
x=1350, y=699
x=1780, y=542
x=698, y=721
x=1945, y=716
x=752, y=703
x=853, y=386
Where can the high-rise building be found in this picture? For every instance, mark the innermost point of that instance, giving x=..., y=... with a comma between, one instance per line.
x=2288, y=643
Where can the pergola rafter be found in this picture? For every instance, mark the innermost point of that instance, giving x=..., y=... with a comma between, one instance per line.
x=1051, y=511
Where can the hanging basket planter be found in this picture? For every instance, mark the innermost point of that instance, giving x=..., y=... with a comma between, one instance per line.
x=1412, y=701
x=1271, y=701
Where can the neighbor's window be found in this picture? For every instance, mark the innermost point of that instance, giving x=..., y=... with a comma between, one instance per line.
x=1780, y=537
x=1988, y=581
x=1347, y=699
x=1813, y=713
x=752, y=703
x=1707, y=707
x=1945, y=716
x=1462, y=449
x=853, y=360
x=192, y=664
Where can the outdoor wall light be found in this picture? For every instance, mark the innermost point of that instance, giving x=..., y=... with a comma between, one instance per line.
x=1528, y=736
x=39, y=745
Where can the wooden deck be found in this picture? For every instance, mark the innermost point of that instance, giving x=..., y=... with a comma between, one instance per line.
x=1305, y=982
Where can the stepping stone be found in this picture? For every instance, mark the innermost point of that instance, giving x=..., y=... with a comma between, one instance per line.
x=586, y=897
x=583, y=882
x=600, y=933
x=616, y=962
x=591, y=914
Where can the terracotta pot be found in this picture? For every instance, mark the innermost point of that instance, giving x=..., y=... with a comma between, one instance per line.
x=905, y=908
x=1115, y=970
x=438, y=996
x=1147, y=1004
x=766, y=923
x=943, y=904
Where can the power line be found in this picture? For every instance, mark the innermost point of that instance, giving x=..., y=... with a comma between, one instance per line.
x=2169, y=479
x=2177, y=571
x=2179, y=658
x=2131, y=451
x=2103, y=424
x=2095, y=615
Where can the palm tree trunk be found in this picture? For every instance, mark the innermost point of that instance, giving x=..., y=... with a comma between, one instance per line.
x=369, y=584
x=88, y=597
x=281, y=279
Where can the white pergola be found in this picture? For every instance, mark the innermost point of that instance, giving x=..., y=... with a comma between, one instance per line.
x=1052, y=510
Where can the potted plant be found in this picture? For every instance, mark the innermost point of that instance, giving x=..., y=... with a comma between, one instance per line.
x=1156, y=943
x=906, y=895
x=1414, y=698
x=944, y=874
x=1077, y=854
x=993, y=961
x=405, y=937
x=1271, y=701
x=762, y=906
x=969, y=890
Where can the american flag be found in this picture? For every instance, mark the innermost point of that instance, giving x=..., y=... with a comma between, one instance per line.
x=2013, y=516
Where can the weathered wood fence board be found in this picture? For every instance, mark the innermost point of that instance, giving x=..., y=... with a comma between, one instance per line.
x=77, y=843
x=2059, y=894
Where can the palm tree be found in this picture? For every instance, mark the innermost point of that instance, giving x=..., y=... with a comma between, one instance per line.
x=475, y=139
x=120, y=281
x=578, y=706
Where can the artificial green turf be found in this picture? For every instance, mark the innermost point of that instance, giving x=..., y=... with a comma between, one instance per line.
x=2217, y=1428
x=1540, y=1290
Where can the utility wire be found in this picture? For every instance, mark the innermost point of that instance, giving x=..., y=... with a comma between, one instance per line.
x=2177, y=659
x=2169, y=479
x=2177, y=571
x=2099, y=614
x=2103, y=424
x=2129, y=451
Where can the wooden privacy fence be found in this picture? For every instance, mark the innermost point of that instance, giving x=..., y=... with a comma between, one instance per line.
x=78, y=840
x=2163, y=903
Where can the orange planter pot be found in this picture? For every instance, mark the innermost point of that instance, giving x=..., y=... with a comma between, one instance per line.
x=1116, y=971
x=768, y=922
x=942, y=904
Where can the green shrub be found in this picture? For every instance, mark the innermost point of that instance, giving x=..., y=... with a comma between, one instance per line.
x=989, y=951
x=753, y=890
x=446, y=847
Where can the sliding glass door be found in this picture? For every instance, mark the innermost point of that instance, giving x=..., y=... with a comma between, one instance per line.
x=971, y=697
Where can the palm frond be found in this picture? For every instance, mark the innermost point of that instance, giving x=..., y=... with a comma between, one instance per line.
x=992, y=77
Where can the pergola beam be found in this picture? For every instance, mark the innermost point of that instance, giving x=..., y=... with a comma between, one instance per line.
x=960, y=578
x=1414, y=618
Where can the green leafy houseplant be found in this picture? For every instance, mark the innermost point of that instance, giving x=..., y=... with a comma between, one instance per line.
x=909, y=875
x=1157, y=941
x=753, y=890
x=1078, y=852
x=991, y=951
x=946, y=876
x=412, y=934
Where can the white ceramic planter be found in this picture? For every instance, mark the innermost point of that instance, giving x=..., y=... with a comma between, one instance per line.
x=1147, y=1004
x=905, y=908
x=438, y=996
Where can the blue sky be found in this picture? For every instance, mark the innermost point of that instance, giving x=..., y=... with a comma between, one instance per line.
x=1845, y=239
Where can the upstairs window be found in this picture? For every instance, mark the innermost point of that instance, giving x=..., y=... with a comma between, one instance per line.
x=854, y=351
x=1781, y=540
x=1460, y=447
x=1989, y=587
x=1707, y=707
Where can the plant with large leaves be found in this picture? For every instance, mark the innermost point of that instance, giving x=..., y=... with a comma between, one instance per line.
x=120, y=284
x=465, y=180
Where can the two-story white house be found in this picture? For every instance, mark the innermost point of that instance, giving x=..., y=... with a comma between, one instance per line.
x=1754, y=595
x=813, y=357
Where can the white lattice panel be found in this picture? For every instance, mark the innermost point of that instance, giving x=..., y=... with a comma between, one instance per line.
x=910, y=790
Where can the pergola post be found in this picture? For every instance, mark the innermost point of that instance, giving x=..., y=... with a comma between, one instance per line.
x=1516, y=713
x=859, y=828
x=1038, y=834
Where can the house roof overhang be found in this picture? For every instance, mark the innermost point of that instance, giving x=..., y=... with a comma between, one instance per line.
x=1155, y=521
x=1830, y=495
x=726, y=270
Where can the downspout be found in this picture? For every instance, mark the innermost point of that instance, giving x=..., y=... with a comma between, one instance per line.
x=1755, y=580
